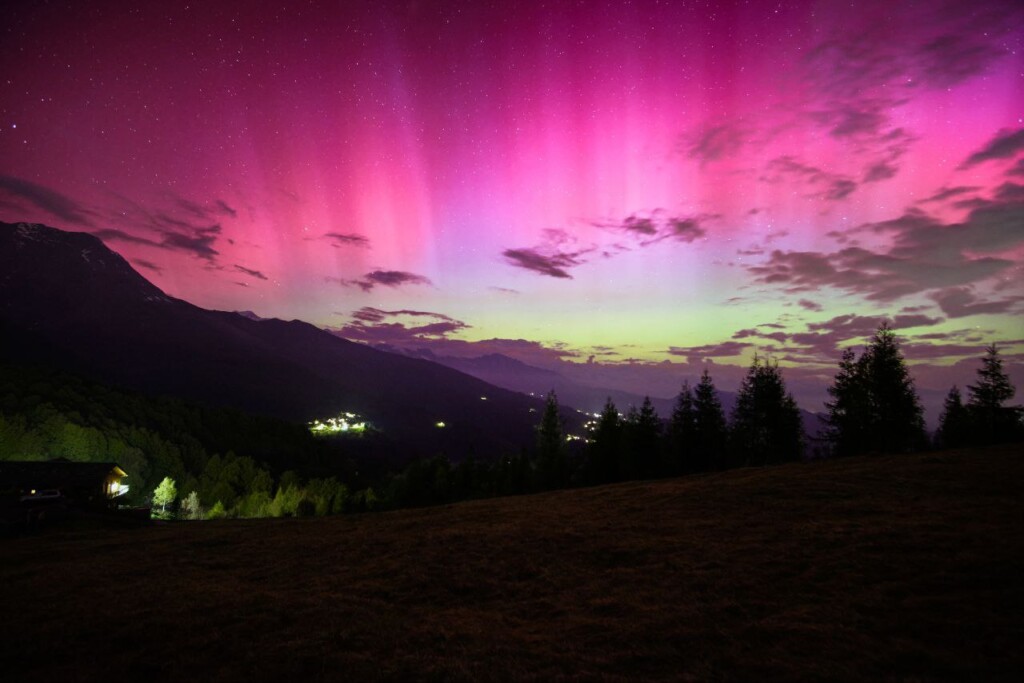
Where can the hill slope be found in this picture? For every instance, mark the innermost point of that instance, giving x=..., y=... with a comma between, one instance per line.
x=901, y=568
x=68, y=301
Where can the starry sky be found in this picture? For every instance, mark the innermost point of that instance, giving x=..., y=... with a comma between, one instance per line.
x=626, y=191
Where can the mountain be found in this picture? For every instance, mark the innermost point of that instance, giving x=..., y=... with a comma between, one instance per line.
x=515, y=375
x=68, y=301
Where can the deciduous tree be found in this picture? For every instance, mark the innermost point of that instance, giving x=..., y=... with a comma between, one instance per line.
x=165, y=493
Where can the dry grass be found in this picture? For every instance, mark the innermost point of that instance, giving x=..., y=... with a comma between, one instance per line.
x=901, y=568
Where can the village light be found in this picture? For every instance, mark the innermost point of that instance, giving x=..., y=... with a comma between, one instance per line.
x=342, y=424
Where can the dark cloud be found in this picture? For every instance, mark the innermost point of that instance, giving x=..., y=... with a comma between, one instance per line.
x=953, y=58
x=385, y=278
x=339, y=239
x=960, y=302
x=504, y=290
x=225, y=209
x=854, y=120
x=809, y=305
x=686, y=229
x=657, y=227
x=218, y=207
x=949, y=192
x=830, y=186
x=925, y=254
x=822, y=340
x=199, y=242
x=721, y=350
x=148, y=265
x=1009, y=192
x=368, y=325
x=1017, y=169
x=840, y=188
x=373, y=315
x=880, y=171
x=550, y=264
x=46, y=199
x=756, y=333
x=250, y=272
x=643, y=226
x=1006, y=144
x=715, y=142
x=191, y=207
x=113, y=235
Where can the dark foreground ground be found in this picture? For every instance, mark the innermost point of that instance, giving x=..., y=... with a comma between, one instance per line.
x=900, y=568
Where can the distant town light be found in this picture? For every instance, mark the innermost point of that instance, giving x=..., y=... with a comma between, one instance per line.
x=345, y=423
x=439, y=425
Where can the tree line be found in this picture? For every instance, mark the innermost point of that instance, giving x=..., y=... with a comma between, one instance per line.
x=873, y=408
x=197, y=462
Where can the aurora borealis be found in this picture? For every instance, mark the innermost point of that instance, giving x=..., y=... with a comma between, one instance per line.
x=646, y=186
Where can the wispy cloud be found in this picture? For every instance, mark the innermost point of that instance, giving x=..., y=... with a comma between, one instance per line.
x=551, y=264
x=960, y=302
x=340, y=239
x=250, y=272
x=829, y=186
x=48, y=200
x=379, y=326
x=1006, y=144
x=715, y=141
x=385, y=278
x=925, y=254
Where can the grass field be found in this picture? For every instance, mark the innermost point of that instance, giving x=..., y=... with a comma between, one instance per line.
x=899, y=568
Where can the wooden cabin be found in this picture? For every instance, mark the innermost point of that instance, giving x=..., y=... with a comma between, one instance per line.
x=91, y=484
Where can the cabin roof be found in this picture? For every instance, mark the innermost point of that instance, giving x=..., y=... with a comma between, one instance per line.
x=56, y=473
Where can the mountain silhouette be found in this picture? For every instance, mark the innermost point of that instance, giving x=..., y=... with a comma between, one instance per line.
x=68, y=301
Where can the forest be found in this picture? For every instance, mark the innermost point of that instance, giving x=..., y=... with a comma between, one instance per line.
x=195, y=462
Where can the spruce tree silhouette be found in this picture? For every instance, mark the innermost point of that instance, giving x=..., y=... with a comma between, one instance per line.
x=605, y=451
x=994, y=422
x=766, y=423
x=551, y=463
x=711, y=430
x=954, y=423
x=896, y=420
x=849, y=412
x=682, y=431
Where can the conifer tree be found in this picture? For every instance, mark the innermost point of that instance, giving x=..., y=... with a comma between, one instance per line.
x=994, y=421
x=874, y=404
x=683, y=431
x=849, y=411
x=954, y=423
x=711, y=430
x=551, y=463
x=896, y=420
x=606, y=447
x=643, y=430
x=766, y=423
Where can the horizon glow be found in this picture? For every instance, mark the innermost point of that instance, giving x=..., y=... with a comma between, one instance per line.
x=626, y=183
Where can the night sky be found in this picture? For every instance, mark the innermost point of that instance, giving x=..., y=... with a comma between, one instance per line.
x=633, y=187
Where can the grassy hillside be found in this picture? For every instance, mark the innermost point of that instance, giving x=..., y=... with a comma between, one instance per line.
x=902, y=568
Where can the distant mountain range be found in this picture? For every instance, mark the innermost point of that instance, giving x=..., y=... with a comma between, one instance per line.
x=68, y=301
x=513, y=374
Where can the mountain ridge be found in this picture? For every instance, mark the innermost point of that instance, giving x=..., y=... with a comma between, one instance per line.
x=68, y=300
